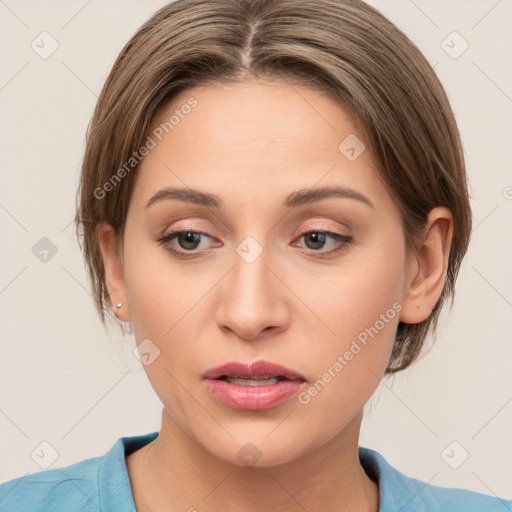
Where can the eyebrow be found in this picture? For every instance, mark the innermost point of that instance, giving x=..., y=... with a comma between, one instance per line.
x=294, y=200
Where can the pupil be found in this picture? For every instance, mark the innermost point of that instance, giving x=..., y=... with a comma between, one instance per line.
x=189, y=238
x=317, y=238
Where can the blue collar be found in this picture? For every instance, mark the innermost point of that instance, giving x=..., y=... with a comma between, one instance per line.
x=397, y=491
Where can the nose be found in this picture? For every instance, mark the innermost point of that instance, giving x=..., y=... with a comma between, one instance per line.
x=253, y=299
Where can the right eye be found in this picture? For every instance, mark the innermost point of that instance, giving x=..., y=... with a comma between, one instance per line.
x=188, y=240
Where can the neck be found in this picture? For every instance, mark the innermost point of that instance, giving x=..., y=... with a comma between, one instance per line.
x=174, y=473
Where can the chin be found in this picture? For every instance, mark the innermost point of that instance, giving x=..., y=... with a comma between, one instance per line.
x=260, y=449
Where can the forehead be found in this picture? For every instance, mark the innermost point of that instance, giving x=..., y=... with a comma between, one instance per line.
x=255, y=138
x=262, y=115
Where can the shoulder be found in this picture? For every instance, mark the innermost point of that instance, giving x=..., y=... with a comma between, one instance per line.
x=61, y=489
x=400, y=492
x=98, y=483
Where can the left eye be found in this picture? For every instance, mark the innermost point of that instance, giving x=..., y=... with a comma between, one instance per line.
x=316, y=238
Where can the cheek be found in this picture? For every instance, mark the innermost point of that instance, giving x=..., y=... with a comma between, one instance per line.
x=353, y=296
x=361, y=306
x=160, y=294
x=161, y=300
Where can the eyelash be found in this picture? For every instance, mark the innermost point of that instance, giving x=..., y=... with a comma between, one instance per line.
x=344, y=240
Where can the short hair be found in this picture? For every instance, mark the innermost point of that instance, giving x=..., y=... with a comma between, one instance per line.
x=345, y=49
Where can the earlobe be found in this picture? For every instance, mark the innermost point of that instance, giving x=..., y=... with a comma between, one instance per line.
x=428, y=267
x=114, y=276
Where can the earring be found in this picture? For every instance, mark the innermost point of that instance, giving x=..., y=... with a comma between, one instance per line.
x=119, y=305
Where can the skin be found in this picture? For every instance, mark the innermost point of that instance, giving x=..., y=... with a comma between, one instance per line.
x=252, y=144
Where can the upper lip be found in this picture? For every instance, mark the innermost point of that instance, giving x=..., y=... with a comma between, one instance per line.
x=255, y=369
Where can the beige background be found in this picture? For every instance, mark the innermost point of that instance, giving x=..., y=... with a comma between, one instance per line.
x=63, y=380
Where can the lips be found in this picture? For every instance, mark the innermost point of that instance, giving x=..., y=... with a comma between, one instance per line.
x=253, y=386
x=256, y=372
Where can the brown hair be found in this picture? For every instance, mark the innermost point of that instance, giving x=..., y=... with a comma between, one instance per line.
x=345, y=49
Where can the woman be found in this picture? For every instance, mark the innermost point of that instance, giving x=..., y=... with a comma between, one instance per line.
x=274, y=196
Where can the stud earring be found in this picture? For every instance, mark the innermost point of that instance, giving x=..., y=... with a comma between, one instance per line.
x=119, y=305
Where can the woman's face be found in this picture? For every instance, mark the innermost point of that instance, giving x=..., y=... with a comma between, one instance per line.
x=314, y=285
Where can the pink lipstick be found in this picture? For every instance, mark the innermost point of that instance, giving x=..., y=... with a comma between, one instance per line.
x=253, y=386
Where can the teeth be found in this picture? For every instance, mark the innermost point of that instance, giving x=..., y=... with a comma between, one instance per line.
x=254, y=377
x=253, y=381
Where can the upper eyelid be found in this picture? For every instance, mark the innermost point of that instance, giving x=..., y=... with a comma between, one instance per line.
x=314, y=217
x=300, y=233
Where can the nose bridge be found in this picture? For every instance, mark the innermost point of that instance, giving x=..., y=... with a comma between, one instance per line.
x=252, y=298
x=251, y=271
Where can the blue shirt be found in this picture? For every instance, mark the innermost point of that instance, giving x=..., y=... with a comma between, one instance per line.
x=102, y=484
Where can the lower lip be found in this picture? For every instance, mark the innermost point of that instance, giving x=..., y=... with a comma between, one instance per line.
x=253, y=398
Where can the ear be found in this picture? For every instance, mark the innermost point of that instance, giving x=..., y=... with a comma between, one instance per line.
x=427, y=267
x=114, y=278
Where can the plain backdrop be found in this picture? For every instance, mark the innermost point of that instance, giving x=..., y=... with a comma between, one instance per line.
x=65, y=381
